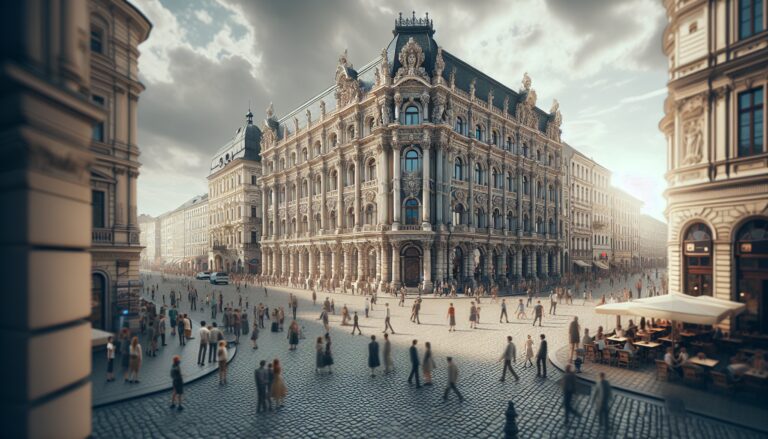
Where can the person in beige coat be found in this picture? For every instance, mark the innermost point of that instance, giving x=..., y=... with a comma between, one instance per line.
x=428, y=364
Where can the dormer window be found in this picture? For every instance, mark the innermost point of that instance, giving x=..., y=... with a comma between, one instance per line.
x=412, y=115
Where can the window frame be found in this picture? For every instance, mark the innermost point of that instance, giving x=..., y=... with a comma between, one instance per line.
x=411, y=115
x=755, y=113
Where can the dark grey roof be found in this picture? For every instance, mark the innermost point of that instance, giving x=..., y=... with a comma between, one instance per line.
x=422, y=32
x=246, y=144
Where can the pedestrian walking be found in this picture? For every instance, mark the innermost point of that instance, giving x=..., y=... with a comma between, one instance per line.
x=569, y=389
x=255, y=335
x=125, y=348
x=387, y=322
x=553, y=303
x=387, y=353
x=367, y=307
x=262, y=383
x=293, y=336
x=356, y=325
x=473, y=316
x=319, y=355
x=451, y=318
x=503, y=310
x=110, y=360
x=214, y=336
x=178, y=383
x=135, y=360
x=520, y=310
x=221, y=355
x=414, y=355
x=328, y=356
x=541, y=358
x=204, y=335
x=162, y=327
x=573, y=336
x=180, y=329
x=279, y=389
x=294, y=306
x=509, y=356
x=428, y=364
x=453, y=378
x=324, y=318
x=538, y=310
x=373, y=355
x=601, y=398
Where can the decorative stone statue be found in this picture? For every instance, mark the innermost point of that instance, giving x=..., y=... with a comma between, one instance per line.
x=270, y=111
x=439, y=67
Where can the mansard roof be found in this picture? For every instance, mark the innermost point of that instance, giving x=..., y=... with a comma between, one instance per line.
x=422, y=32
x=245, y=144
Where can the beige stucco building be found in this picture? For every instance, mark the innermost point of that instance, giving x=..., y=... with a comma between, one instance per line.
x=234, y=203
x=116, y=30
x=412, y=169
x=603, y=215
x=717, y=163
x=624, y=228
x=653, y=242
x=149, y=239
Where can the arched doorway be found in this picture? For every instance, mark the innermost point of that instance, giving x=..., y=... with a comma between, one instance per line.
x=457, y=263
x=511, y=259
x=751, y=242
x=372, y=264
x=478, y=262
x=697, y=260
x=98, y=316
x=217, y=262
x=526, y=263
x=550, y=263
x=411, y=266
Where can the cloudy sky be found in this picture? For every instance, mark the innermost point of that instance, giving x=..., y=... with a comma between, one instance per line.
x=207, y=59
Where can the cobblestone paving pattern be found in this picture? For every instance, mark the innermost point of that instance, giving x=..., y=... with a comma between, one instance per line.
x=349, y=403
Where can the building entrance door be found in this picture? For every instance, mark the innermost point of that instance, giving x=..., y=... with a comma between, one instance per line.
x=411, y=267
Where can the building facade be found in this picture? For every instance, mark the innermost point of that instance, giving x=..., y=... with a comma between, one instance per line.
x=599, y=198
x=717, y=175
x=413, y=169
x=653, y=242
x=624, y=227
x=116, y=30
x=234, y=203
x=148, y=238
x=581, y=210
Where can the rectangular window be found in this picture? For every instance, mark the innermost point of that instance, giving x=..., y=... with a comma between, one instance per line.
x=254, y=238
x=98, y=100
x=96, y=41
x=253, y=211
x=750, y=18
x=253, y=179
x=98, y=209
x=98, y=131
x=751, y=122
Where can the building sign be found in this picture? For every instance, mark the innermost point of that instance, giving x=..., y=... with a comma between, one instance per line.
x=746, y=247
x=697, y=248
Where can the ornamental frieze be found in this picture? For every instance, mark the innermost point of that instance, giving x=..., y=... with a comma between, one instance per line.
x=411, y=183
x=411, y=59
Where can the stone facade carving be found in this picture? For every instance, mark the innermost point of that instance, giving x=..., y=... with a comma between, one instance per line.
x=525, y=112
x=439, y=67
x=411, y=59
x=556, y=119
x=411, y=182
x=347, y=86
x=693, y=142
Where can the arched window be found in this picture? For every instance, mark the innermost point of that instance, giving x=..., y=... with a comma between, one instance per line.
x=510, y=182
x=351, y=175
x=526, y=186
x=370, y=124
x=304, y=154
x=350, y=217
x=304, y=189
x=334, y=180
x=697, y=258
x=525, y=150
x=494, y=138
x=751, y=251
x=539, y=190
x=459, y=128
x=317, y=148
x=538, y=155
x=371, y=170
x=458, y=215
x=508, y=144
x=478, y=174
x=332, y=219
x=480, y=218
x=478, y=132
x=551, y=226
x=539, y=224
x=318, y=185
x=333, y=140
x=458, y=173
x=498, y=220
x=511, y=222
x=305, y=224
x=411, y=115
x=369, y=215
x=411, y=212
x=526, y=223
x=411, y=161
x=350, y=133
x=497, y=181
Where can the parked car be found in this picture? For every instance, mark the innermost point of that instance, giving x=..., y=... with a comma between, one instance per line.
x=203, y=275
x=219, y=278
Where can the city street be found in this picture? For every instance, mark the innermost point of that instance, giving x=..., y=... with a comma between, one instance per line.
x=349, y=403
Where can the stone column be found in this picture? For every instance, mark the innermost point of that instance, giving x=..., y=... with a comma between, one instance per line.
x=439, y=260
x=381, y=176
x=358, y=173
x=396, y=204
x=322, y=250
x=519, y=263
x=362, y=264
x=284, y=268
x=426, y=222
x=519, y=177
x=439, y=186
x=275, y=225
x=386, y=275
x=427, y=266
x=300, y=263
x=396, y=265
x=347, y=263
x=264, y=219
x=323, y=200
x=545, y=263
x=502, y=264
x=334, y=263
x=469, y=261
x=46, y=233
x=470, y=191
x=311, y=263
x=378, y=264
x=341, y=213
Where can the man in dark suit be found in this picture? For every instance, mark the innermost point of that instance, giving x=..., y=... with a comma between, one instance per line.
x=262, y=380
x=414, y=364
x=541, y=358
x=569, y=389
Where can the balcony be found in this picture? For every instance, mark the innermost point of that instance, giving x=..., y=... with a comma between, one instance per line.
x=102, y=236
x=219, y=248
x=410, y=227
x=369, y=183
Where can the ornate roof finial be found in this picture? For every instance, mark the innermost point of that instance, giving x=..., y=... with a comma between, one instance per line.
x=526, y=82
x=270, y=111
x=343, y=59
x=249, y=116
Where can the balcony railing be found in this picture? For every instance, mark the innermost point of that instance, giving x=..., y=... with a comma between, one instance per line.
x=410, y=227
x=369, y=183
x=102, y=236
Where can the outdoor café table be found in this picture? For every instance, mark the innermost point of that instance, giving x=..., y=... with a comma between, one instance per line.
x=756, y=379
x=759, y=374
x=618, y=339
x=648, y=345
x=688, y=334
x=706, y=362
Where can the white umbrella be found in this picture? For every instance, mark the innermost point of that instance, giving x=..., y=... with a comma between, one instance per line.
x=684, y=308
x=621, y=309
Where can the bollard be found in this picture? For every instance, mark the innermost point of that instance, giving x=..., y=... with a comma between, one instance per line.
x=510, y=428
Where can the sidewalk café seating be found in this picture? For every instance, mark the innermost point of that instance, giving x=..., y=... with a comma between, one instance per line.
x=591, y=352
x=626, y=360
x=693, y=375
x=608, y=356
x=720, y=381
x=662, y=371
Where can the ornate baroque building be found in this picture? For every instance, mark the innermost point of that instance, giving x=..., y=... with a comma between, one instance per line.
x=581, y=190
x=624, y=228
x=717, y=162
x=653, y=242
x=414, y=168
x=116, y=30
x=234, y=203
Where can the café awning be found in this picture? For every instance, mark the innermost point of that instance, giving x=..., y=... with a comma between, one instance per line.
x=701, y=310
x=582, y=263
x=602, y=265
x=620, y=309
